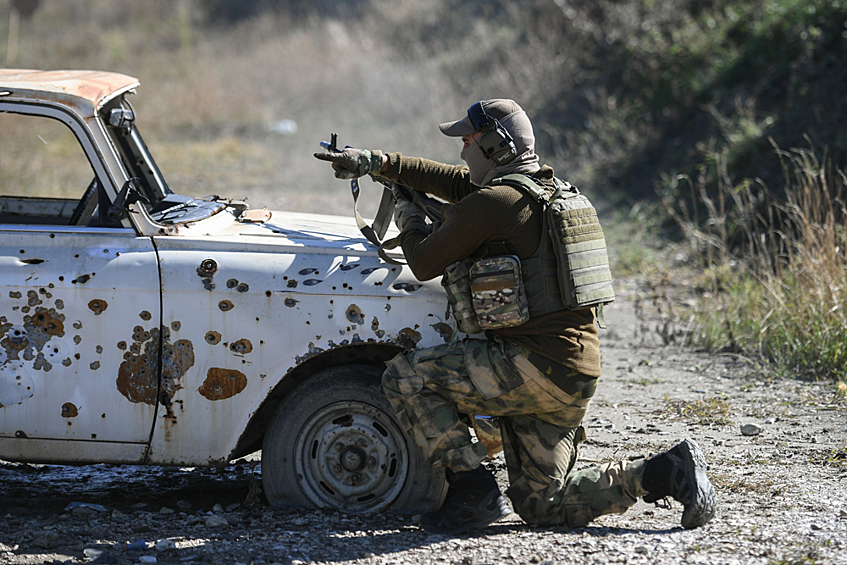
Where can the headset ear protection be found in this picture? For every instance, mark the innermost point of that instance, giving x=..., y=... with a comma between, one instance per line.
x=496, y=143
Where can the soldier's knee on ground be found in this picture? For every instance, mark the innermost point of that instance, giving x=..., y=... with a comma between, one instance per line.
x=578, y=515
x=567, y=516
x=540, y=510
x=534, y=506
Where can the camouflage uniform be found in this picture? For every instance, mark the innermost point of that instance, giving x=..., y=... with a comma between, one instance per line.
x=539, y=423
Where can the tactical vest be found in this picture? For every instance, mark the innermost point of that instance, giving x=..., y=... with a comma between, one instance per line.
x=568, y=270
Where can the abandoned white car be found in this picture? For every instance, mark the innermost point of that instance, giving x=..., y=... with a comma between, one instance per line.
x=141, y=326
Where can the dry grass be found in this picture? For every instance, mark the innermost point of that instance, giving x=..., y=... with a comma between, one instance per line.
x=704, y=412
x=776, y=270
x=208, y=96
x=41, y=157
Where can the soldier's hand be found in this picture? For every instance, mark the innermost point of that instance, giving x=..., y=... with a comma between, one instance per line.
x=351, y=163
x=407, y=212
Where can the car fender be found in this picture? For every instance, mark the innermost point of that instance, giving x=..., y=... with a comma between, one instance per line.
x=240, y=316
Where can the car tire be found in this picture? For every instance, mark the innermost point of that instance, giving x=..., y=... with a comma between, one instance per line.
x=334, y=443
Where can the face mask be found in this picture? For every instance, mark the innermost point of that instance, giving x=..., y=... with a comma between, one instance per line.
x=478, y=165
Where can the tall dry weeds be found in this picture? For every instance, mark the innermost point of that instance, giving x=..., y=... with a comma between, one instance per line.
x=777, y=269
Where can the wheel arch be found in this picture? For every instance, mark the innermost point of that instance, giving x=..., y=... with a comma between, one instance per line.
x=373, y=354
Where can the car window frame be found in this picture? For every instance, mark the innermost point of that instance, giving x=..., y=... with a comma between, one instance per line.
x=89, y=147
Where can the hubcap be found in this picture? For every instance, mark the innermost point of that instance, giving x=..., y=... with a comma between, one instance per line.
x=351, y=456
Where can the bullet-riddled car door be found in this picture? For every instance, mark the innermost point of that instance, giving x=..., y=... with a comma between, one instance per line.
x=79, y=308
x=79, y=327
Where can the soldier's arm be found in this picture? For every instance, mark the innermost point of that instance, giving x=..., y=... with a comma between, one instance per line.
x=449, y=182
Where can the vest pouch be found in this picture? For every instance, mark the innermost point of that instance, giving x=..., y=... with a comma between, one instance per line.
x=583, y=262
x=497, y=292
x=456, y=283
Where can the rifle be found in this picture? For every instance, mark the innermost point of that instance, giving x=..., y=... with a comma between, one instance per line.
x=391, y=192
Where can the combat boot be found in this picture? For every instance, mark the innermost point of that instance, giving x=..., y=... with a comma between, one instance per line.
x=681, y=473
x=473, y=501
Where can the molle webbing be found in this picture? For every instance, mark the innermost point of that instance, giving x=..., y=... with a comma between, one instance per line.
x=578, y=243
x=585, y=277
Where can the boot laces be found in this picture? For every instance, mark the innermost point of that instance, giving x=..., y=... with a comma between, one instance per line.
x=664, y=503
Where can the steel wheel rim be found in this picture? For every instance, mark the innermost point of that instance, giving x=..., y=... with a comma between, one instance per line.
x=351, y=456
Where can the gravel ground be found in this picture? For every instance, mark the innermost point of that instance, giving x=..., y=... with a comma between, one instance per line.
x=783, y=489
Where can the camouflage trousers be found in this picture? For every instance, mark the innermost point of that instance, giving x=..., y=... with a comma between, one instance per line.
x=539, y=424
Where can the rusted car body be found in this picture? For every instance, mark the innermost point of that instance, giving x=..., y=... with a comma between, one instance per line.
x=140, y=326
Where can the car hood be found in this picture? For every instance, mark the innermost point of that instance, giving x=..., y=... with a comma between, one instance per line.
x=313, y=230
x=275, y=228
x=301, y=234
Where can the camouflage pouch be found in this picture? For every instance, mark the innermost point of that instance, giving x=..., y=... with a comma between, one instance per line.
x=497, y=292
x=486, y=294
x=456, y=283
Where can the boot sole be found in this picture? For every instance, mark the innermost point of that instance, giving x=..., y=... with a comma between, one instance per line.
x=702, y=508
x=480, y=519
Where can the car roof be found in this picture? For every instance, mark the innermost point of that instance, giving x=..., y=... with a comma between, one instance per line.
x=82, y=91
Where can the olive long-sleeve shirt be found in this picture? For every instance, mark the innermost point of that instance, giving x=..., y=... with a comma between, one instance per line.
x=478, y=215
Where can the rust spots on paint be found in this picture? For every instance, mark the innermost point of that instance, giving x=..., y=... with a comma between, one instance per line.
x=138, y=376
x=28, y=342
x=206, y=269
x=145, y=315
x=239, y=286
x=444, y=330
x=213, y=337
x=82, y=279
x=98, y=306
x=16, y=339
x=221, y=383
x=225, y=305
x=355, y=314
x=177, y=358
x=408, y=338
x=69, y=410
x=32, y=298
x=137, y=373
x=45, y=322
x=290, y=302
x=241, y=347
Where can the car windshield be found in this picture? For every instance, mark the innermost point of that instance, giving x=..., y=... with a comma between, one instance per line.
x=164, y=206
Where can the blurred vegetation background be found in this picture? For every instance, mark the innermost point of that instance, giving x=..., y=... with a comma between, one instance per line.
x=621, y=93
x=696, y=121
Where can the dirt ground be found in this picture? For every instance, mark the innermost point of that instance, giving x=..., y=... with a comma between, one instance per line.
x=777, y=450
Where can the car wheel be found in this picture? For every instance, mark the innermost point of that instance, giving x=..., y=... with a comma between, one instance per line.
x=333, y=443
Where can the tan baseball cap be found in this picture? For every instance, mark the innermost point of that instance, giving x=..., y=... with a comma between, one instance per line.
x=497, y=108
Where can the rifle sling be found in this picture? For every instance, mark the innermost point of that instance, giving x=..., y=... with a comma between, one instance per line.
x=374, y=233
